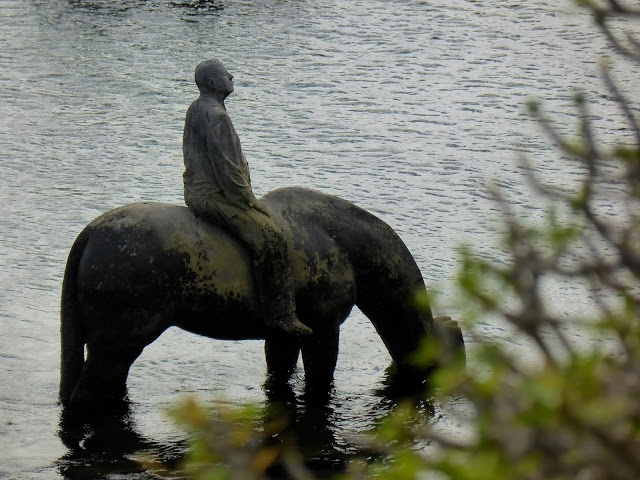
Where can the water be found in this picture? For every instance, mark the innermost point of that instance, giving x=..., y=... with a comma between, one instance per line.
x=407, y=108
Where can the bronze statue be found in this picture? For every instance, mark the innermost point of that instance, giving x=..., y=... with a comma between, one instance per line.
x=232, y=267
x=139, y=269
x=217, y=186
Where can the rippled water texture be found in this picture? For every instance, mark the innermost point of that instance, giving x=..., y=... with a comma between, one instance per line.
x=407, y=108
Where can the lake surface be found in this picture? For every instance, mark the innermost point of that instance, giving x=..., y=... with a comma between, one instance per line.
x=407, y=108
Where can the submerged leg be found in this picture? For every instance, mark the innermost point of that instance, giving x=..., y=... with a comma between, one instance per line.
x=104, y=375
x=282, y=352
x=320, y=355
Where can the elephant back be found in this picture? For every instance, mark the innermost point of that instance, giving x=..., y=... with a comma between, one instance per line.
x=151, y=248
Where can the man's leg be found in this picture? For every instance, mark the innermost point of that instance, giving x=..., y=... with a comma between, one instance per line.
x=272, y=271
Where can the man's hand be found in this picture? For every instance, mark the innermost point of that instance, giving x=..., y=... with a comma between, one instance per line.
x=261, y=207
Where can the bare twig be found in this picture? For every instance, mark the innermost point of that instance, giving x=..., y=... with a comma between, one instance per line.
x=622, y=102
x=539, y=187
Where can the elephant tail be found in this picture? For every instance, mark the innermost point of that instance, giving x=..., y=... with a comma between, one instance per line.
x=71, y=335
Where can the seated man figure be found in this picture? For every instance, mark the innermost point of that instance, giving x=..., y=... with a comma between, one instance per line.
x=217, y=187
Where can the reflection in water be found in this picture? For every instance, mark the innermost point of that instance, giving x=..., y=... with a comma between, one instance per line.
x=198, y=7
x=102, y=443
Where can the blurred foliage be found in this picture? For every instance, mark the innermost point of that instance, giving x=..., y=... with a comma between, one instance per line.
x=575, y=414
x=240, y=443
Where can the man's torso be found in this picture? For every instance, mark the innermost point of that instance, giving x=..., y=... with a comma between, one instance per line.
x=216, y=172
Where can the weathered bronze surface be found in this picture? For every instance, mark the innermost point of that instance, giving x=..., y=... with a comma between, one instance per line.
x=139, y=269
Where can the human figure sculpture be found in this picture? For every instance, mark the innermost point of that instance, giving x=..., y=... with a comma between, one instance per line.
x=217, y=187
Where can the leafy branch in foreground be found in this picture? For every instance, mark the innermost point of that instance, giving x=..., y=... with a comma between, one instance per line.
x=241, y=443
x=575, y=415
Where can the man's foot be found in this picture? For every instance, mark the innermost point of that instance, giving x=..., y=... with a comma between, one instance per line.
x=290, y=324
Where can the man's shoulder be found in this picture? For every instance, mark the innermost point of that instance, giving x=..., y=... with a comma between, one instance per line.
x=208, y=112
x=212, y=108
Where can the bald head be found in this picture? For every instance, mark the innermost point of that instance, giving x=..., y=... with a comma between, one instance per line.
x=213, y=78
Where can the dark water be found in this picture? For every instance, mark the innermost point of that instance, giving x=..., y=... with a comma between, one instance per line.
x=407, y=108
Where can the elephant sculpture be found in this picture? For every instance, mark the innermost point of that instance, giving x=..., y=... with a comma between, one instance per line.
x=141, y=268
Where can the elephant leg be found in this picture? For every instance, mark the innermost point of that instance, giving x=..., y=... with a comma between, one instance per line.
x=104, y=375
x=320, y=355
x=282, y=353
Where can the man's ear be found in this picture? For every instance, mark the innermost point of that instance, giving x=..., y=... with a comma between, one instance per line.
x=211, y=84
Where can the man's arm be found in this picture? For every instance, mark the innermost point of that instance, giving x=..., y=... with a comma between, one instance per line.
x=260, y=206
x=228, y=162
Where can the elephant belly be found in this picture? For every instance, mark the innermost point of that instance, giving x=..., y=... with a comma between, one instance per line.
x=140, y=281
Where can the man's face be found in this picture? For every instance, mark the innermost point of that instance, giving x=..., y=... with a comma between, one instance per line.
x=221, y=80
